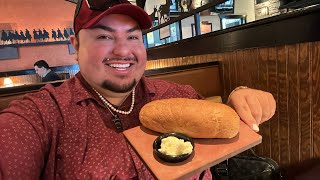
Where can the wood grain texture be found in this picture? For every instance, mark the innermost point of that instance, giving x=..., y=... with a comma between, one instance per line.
x=262, y=60
x=273, y=89
x=305, y=96
x=234, y=69
x=291, y=73
x=283, y=105
x=240, y=69
x=293, y=103
x=226, y=77
x=315, y=64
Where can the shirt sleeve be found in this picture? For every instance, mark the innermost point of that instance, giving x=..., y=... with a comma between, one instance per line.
x=22, y=140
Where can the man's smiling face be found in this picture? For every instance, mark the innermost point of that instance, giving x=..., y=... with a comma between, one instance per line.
x=112, y=55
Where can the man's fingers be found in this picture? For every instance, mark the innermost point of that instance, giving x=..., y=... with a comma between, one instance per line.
x=265, y=105
x=244, y=112
x=255, y=108
x=272, y=104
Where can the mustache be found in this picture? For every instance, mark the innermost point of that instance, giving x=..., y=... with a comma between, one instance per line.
x=120, y=59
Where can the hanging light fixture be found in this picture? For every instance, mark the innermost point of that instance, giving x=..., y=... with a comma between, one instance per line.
x=7, y=82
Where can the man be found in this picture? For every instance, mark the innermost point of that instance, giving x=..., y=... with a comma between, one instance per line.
x=43, y=70
x=74, y=131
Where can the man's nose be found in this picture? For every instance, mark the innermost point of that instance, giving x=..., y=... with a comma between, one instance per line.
x=121, y=49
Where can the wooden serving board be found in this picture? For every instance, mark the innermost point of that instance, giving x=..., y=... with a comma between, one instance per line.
x=207, y=152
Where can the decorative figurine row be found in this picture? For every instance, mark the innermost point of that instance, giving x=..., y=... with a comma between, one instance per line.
x=163, y=12
x=23, y=37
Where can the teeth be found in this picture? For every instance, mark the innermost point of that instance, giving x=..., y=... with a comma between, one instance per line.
x=119, y=65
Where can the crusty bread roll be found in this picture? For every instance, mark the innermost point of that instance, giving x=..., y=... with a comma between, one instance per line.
x=195, y=118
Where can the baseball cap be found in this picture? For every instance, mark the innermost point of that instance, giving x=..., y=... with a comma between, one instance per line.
x=89, y=12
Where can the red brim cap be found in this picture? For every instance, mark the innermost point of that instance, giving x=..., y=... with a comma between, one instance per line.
x=87, y=18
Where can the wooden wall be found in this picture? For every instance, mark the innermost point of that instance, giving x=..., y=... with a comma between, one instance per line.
x=292, y=74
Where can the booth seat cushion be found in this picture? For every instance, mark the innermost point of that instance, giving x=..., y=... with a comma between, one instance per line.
x=5, y=100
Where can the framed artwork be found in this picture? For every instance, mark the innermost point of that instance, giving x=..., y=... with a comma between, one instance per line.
x=9, y=53
x=150, y=38
x=232, y=20
x=164, y=32
x=164, y=17
x=205, y=27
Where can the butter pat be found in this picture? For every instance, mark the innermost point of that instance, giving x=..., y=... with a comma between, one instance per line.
x=173, y=146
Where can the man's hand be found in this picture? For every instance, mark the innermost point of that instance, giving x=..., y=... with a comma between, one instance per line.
x=253, y=106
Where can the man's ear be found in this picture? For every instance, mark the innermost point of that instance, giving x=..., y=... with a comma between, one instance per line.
x=74, y=42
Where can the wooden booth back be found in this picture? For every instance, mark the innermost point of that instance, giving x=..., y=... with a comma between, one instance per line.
x=204, y=79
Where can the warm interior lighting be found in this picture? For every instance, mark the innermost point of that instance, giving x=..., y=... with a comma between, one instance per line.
x=8, y=82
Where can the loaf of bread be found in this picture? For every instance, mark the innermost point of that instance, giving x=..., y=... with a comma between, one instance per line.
x=195, y=118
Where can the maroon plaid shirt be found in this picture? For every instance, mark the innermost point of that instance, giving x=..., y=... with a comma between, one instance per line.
x=67, y=133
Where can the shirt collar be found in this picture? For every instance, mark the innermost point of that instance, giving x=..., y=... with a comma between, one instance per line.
x=47, y=72
x=83, y=91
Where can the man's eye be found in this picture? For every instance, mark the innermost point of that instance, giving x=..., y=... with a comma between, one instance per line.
x=134, y=37
x=104, y=37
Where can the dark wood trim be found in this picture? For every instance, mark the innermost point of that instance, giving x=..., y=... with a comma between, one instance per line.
x=9, y=91
x=291, y=28
x=32, y=71
x=179, y=68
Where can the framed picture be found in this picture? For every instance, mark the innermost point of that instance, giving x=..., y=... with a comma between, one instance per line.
x=205, y=27
x=164, y=32
x=232, y=20
x=8, y=53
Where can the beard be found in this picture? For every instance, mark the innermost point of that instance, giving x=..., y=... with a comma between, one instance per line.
x=118, y=88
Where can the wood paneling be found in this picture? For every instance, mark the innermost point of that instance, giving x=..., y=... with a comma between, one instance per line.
x=291, y=73
x=293, y=106
x=304, y=98
x=262, y=60
x=225, y=78
x=273, y=88
x=315, y=64
x=283, y=104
